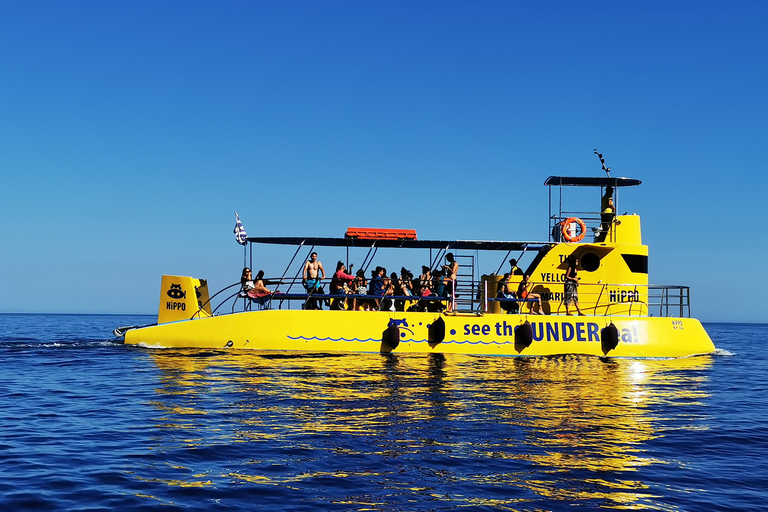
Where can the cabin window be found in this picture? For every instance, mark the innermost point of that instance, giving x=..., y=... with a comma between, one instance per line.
x=590, y=262
x=636, y=262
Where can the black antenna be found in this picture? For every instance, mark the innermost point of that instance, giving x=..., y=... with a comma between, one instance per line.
x=606, y=169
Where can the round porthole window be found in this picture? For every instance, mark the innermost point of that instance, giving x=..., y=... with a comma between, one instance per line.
x=590, y=262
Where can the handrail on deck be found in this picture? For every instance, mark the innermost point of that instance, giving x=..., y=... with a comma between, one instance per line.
x=597, y=298
x=593, y=221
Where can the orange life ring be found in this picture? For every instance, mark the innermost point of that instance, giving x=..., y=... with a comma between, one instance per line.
x=566, y=224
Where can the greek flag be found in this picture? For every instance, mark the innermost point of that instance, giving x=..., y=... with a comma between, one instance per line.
x=240, y=235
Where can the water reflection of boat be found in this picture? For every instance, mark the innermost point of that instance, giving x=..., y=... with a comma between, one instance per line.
x=552, y=427
x=625, y=316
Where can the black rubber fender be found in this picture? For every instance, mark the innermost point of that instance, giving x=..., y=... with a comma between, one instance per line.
x=524, y=334
x=609, y=338
x=437, y=331
x=393, y=336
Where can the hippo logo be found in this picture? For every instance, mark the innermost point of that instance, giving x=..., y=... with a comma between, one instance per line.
x=403, y=324
x=176, y=293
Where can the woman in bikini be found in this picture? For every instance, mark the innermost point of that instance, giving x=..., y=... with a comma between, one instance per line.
x=523, y=293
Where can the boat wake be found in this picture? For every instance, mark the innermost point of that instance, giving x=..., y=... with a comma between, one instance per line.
x=11, y=343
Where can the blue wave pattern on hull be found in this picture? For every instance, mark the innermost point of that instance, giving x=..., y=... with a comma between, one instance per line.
x=465, y=342
x=329, y=339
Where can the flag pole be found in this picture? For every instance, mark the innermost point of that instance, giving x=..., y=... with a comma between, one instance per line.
x=241, y=238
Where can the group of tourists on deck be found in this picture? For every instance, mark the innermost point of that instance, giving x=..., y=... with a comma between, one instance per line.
x=391, y=292
x=382, y=291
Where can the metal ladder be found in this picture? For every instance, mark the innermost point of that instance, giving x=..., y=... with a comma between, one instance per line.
x=466, y=300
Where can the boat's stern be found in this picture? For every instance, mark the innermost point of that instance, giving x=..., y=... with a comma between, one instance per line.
x=183, y=298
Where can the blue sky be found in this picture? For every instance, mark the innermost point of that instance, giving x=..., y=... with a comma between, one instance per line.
x=130, y=133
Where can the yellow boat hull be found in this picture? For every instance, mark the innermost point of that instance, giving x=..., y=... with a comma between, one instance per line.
x=489, y=334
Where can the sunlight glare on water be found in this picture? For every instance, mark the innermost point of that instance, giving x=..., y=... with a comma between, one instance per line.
x=368, y=418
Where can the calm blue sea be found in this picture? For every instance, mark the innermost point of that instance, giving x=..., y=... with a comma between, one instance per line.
x=88, y=424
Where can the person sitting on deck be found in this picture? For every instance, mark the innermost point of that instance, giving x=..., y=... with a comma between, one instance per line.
x=246, y=280
x=340, y=278
x=259, y=293
x=376, y=286
x=403, y=287
x=438, y=287
x=388, y=290
x=425, y=281
x=339, y=282
x=437, y=282
x=405, y=283
x=523, y=293
x=505, y=292
x=360, y=287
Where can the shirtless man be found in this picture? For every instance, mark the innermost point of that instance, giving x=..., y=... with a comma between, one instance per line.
x=313, y=273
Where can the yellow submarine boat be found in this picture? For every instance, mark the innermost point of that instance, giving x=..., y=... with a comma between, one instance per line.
x=624, y=316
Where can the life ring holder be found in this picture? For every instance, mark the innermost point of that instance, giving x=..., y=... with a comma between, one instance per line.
x=566, y=224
